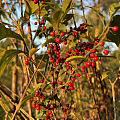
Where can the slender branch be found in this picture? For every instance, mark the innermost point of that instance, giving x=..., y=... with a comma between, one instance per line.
x=18, y=106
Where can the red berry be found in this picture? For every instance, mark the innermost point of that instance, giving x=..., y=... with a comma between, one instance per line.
x=35, y=23
x=50, y=112
x=115, y=29
x=46, y=119
x=83, y=67
x=105, y=52
x=95, y=58
x=52, y=61
x=42, y=98
x=52, y=34
x=50, y=46
x=26, y=62
x=78, y=75
x=51, y=115
x=60, y=82
x=37, y=93
x=96, y=38
x=83, y=70
x=93, y=64
x=41, y=81
x=49, y=51
x=35, y=1
x=42, y=2
x=57, y=40
x=68, y=67
x=54, y=65
x=92, y=55
x=67, y=63
x=29, y=58
x=47, y=113
x=68, y=108
x=72, y=79
x=88, y=63
x=44, y=27
x=34, y=106
x=70, y=84
x=62, y=34
x=71, y=88
x=37, y=107
x=102, y=43
x=65, y=42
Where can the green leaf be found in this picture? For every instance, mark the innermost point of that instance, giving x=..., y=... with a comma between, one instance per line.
x=67, y=18
x=114, y=36
x=31, y=95
x=32, y=51
x=66, y=5
x=48, y=41
x=30, y=8
x=7, y=32
x=114, y=8
x=7, y=58
x=58, y=16
x=74, y=58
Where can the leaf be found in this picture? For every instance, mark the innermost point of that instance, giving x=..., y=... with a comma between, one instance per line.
x=6, y=32
x=114, y=8
x=48, y=41
x=22, y=54
x=58, y=16
x=31, y=95
x=114, y=36
x=32, y=51
x=74, y=58
x=66, y=4
x=30, y=8
x=7, y=58
x=67, y=18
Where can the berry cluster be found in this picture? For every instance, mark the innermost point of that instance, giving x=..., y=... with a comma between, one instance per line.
x=58, y=61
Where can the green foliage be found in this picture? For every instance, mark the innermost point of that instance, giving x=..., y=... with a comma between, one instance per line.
x=7, y=32
x=74, y=58
x=6, y=58
x=32, y=51
x=114, y=36
x=114, y=8
x=66, y=5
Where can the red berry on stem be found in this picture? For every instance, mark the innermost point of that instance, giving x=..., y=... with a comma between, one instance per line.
x=42, y=98
x=35, y=1
x=34, y=106
x=60, y=82
x=57, y=40
x=65, y=42
x=37, y=107
x=78, y=75
x=62, y=34
x=93, y=64
x=92, y=55
x=29, y=58
x=50, y=46
x=95, y=58
x=44, y=27
x=26, y=62
x=52, y=34
x=105, y=52
x=72, y=79
x=41, y=81
x=115, y=29
x=37, y=93
x=35, y=23
x=102, y=44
